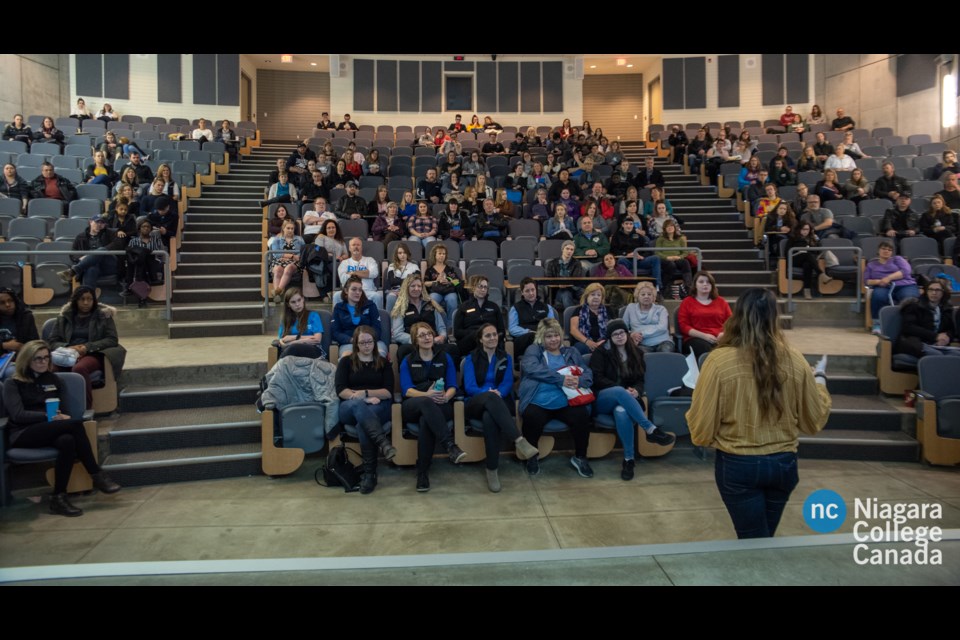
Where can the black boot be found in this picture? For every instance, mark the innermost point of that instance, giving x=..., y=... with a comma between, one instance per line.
x=369, y=481
x=104, y=483
x=375, y=432
x=60, y=505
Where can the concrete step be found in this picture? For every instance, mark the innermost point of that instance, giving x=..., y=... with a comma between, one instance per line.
x=836, y=444
x=217, y=295
x=250, y=208
x=219, y=257
x=215, y=328
x=697, y=236
x=252, y=227
x=223, y=311
x=725, y=216
x=182, y=465
x=251, y=215
x=193, y=236
x=183, y=428
x=867, y=412
x=210, y=246
x=744, y=277
x=730, y=254
x=214, y=268
x=216, y=281
x=684, y=209
x=139, y=398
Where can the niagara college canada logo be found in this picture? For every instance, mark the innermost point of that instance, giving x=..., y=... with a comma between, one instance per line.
x=877, y=524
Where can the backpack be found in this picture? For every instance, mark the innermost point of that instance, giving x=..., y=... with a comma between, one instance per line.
x=338, y=471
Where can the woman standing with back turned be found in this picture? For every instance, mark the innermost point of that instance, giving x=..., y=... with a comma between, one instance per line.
x=754, y=397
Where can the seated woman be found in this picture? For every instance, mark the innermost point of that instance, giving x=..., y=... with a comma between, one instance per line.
x=454, y=223
x=483, y=190
x=659, y=218
x=364, y=382
x=331, y=239
x=141, y=265
x=891, y=278
x=504, y=207
x=408, y=205
x=749, y=174
x=25, y=397
x=588, y=326
x=125, y=195
x=840, y=160
x=100, y=172
x=443, y=281
x=701, y=316
x=489, y=125
x=106, y=113
x=281, y=191
x=352, y=311
x=488, y=393
x=372, y=165
x=47, y=132
x=566, y=266
x=428, y=382
x=542, y=398
x=148, y=201
x=778, y=224
x=516, y=181
x=452, y=189
x=939, y=222
x=780, y=174
x=618, y=373
x=809, y=160
x=399, y=269
x=474, y=167
x=87, y=327
x=426, y=138
x=301, y=330
x=389, y=225
x=17, y=327
x=15, y=187
x=18, y=130
x=351, y=164
x=927, y=324
x=423, y=226
x=170, y=188
x=656, y=195
x=80, y=111
x=475, y=311
x=829, y=188
x=128, y=177
x=339, y=177
x=610, y=268
x=672, y=251
x=592, y=210
x=284, y=265
x=412, y=307
x=856, y=188
x=474, y=125
x=229, y=139
x=560, y=226
x=647, y=321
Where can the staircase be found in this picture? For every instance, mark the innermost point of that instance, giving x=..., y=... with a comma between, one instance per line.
x=711, y=224
x=217, y=283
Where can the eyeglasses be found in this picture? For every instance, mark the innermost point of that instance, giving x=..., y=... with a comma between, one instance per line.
x=45, y=358
x=619, y=334
x=364, y=343
x=482, y=286
x=934, y=290
x=421, y=336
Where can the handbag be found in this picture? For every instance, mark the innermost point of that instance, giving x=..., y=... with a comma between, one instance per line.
x=338, y=471
x=580, y=396
x=64, y=357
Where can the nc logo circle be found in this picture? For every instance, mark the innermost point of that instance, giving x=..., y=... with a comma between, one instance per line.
x=824, y=511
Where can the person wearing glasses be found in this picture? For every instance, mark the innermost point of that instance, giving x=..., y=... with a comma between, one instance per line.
x=428, y=382
x=25, y=400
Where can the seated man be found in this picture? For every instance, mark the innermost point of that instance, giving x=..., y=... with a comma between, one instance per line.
x=89, y=268
x=900, y=221
x=351, y=206
x=590, y=246
x=202, y=133
x=821, y=219
x=326, y=122
x=843, y=122
x=525, y=316
x=50, y=185
x=492, y=147
x=628, y=238
x=364, y=268
x=519, y=145
x=678, y=140
x=346, y=125
x=313, y=219
x=297, y=162
x=165, y=220
x=950, y=192
x=821, y=148
x=890, y=185
x=429, y=188
x=144, y=173
x=649, y=177
x=314, y=189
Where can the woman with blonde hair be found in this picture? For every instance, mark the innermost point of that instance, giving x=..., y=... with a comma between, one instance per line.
x=648, y=322
x=413, y=306
x=755, y=395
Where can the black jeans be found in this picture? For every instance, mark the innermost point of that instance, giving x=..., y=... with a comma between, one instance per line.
x=498, y=421
x=577, y=419
x=432, y=418
x=70, y=440
x=810, y=265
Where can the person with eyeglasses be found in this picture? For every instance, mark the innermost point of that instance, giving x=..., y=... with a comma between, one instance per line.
x=25, y=398
x=353, y=310
x=474, y=312
x=927, y=323
x=428, y=383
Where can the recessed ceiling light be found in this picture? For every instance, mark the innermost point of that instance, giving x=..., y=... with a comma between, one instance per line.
x=286, y=58
x=621, y=62
x=313, y=64
x=593, y=66
x=629, y=66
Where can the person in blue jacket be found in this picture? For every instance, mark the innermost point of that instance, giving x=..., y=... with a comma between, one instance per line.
x=488, y=389
x=353, y=310
x=542, y=398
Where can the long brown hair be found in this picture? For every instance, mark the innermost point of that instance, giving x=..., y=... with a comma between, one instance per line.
x=289, y=317
x=754, y=328
x=378, y=360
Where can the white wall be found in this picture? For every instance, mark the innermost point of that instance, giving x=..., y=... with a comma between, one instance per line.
x=248, y=67
x=30, y=84
x=751, y=95
x=341, y=99
x=143, y=93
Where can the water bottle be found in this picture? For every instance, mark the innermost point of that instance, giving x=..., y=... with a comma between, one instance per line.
x=438, y=385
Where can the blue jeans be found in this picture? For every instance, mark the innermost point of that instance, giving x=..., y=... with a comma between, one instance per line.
x=755, y=490
x=450, y=301
x=627, y=412
x=92, y=266
x=357, y=411
x=650, y=265
x=880, y=297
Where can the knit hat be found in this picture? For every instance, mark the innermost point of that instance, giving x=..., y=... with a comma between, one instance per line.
x=614, y=326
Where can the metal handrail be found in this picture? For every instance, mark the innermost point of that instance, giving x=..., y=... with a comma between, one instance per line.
x=164, y=255
x=858, y=254
x=265, y=276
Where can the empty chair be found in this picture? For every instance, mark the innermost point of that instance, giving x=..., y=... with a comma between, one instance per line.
x=874, y=150
x=30, y=231
x=868, y=163
x=548, y=250
x=188, y=145
x=73, y=175
x=30, y=160
x=919, y=247
x=841, y=208
x=45, y=208
x=64, y=162
x=69, y=228
x=881, y=132
x=354, y=229
x=10, y=272
x=85, y=208
x=93, y=192
x=525, y=228
x=912, y=174
x=919, y=139
x=926, y=188
x=481, y=250
x=904, y=150
x=861, y=225
x=45, y=148
x=14, y=146
x=29, y=173
x=167, y=155
x=938, y=410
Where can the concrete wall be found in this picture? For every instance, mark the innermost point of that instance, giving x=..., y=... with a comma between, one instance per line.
x=143, y=93
x=865, y=85
x=341, y=99
x=33, y=84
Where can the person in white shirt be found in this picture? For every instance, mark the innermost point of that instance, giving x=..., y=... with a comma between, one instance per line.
x=840, y=160
x=312, y=219
x=202, y=132
x=364, y=268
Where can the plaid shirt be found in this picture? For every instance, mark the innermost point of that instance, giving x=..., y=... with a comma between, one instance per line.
x=423, y=224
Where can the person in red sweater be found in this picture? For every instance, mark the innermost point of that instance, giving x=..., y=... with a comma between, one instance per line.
x=701, y=316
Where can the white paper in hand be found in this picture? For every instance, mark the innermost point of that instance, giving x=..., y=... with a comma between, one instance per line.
x=693, y=372
x=821, y=366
